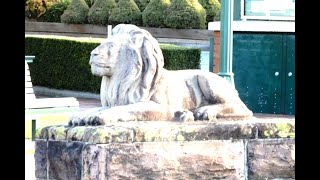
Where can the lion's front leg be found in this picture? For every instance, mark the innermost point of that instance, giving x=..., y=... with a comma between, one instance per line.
x=101, y=116
x=143, y=111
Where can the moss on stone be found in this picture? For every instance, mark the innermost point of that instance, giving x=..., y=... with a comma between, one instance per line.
x=76, y=12
x=180, y=138
x=76, y=133
x=126, y=12
x=99, y=11
x=283, y=130
x=153, y=15
x=168, y=131
x=59, y=132
x=185, y=14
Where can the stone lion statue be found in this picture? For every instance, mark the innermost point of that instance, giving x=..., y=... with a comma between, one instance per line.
x=136, y=87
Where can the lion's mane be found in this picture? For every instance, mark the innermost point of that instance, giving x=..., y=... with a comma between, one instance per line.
x=138, y=75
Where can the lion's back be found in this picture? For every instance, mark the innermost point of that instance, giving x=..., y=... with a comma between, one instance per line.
x=188, y=74
x=189, y=88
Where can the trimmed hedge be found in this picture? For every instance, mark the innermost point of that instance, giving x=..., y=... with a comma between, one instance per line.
x=179, y=57
x=54, y=12
x=153, y=15
x=76, y=12
x=213, y=8
x=126, y=12
x=63, y=63
x=142, y=4
x=100, y=10
x=185, y=14
x=90, y=2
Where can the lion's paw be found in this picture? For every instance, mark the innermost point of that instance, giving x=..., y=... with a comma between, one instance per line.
x=89, y=117
x=93, y=120
x=184, y=116
x=206, y=113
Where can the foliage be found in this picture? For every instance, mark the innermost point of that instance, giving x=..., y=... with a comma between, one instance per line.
x=126, y=12
x=142, y=4
x=217, y=16
x=153, y=15
x=58, y=59
x=185, y=14
x=179, y=57
x=213, y=8
x=76, y=12
x=34, y=9
x=62, y=63
x=90, y=2
x=54, y=12
x=99, y=11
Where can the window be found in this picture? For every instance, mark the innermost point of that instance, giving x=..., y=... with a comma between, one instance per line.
x=268, y=9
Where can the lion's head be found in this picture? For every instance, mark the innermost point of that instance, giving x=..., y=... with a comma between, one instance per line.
x=130, y=62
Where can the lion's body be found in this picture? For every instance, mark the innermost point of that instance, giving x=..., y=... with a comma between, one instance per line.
x=189, y=89
x=135, y=86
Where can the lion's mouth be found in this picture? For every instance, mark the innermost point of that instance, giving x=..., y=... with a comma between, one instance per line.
x=101, y=65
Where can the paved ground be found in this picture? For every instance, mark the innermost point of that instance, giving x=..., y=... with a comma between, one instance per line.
x=86, y=103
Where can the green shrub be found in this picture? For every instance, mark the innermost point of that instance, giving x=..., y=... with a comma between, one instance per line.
x=142, y=4
x=62, y=63
x=99, y=11
x=90, y=2
x=126, y=12
x=34, y=9
x=212, y=8
x=53, y=13
x=178, y=57
x=76, y=13
x=185, y=14
x=153, y=15
x=217, y=16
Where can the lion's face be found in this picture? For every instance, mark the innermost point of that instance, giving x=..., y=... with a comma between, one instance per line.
x=104, y=58
x=130, y=62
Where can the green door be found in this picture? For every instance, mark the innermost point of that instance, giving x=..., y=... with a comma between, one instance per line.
x=257, y=64
x=289, y=83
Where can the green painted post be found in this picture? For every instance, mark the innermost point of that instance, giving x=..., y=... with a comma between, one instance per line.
x=226, y=40
x=211, y=54
x=33, y=129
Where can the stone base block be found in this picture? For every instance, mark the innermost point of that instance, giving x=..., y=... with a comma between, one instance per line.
x=159, y=150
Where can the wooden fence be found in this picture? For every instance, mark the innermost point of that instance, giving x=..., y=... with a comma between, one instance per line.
x=101, y=31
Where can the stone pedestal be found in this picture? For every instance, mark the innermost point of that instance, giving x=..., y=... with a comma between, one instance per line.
x=252, y=149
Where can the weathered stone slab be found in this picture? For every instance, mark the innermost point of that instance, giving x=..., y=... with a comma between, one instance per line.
x=64, y=159
x=166, y=160
x=168, y=150
x=271, y=159
x=40, y=156
x=158, y=131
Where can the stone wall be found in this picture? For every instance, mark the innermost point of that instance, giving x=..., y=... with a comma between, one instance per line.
x=253, y=149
